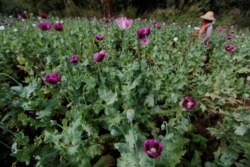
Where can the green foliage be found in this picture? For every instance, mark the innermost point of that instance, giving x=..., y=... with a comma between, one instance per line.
x=81, y=121
x=105, y=161
x=10, y=7
x=238, y=138
x=166, y=14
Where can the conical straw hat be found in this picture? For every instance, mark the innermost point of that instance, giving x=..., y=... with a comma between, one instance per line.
x=208, y=16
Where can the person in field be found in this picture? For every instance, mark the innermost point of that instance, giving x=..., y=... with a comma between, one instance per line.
x=206, y=28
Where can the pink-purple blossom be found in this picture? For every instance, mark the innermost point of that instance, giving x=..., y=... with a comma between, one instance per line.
x=99, y=37
x=222, y=30
x=188, y=103
x=74, y=58
x=58, y=26
x=153, y=148
x=24, y=15
x=19, y=17
x=230, y=48
x=144, y=41
x=124, y=23
x=142, y=34
x=43, y=15
x=158, y=25
x=44, y=26
x=230, y=36
x=52, y=78
x=98, y=57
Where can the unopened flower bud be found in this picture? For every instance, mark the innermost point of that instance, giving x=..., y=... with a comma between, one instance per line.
x=130, y=114
x=114, y=132
x=246, y=95
x=163, y=126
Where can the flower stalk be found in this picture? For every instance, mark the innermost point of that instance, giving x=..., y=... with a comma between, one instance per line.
x=11, y=78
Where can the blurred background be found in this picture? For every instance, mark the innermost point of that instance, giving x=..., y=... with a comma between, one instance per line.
x=226, y=11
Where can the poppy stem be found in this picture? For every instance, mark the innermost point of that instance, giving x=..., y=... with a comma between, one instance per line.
x=2, y=126
x=123, y=42
x=11, y=78
x=136, y=151
x=189, y=117
x=84, y=95
x=245, y=92
x=138, y=48
x=99, y=71
x=5, y=145
x=118, y=128
x=65, y=95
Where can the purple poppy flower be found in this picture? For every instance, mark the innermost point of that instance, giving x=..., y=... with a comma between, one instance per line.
x=44, y=26
x=43, y=15
x=24, y=15
x=147, y=31
x=143, y=32
x=58, y=26
x=144, y=41
x=140, y=33
x=158, y=25
x=230, y=36
x=188, y=103
x=222, y=30
x=52, y=78
x=74, y=59
x=99, y=37
x=230, y=48
x=19, y=17
x=98, y=57
x=103, y=53
x=153, y=148
x=124, y=23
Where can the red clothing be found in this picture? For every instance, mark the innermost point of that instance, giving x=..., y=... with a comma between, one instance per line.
x=205, y=33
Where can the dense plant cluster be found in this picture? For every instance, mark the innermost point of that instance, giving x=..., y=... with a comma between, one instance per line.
x=92, y=93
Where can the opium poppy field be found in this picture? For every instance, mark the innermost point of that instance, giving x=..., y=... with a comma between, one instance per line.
x=81, y=92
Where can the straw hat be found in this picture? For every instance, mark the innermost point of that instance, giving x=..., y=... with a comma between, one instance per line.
x=208, y=16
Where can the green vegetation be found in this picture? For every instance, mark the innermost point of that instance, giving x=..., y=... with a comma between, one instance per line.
x=81, y=118
x=232, y=11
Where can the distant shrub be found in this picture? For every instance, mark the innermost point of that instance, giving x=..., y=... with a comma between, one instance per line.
x=165, y=14
x=13, y=7
x=130, y=12
x=244, y=20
